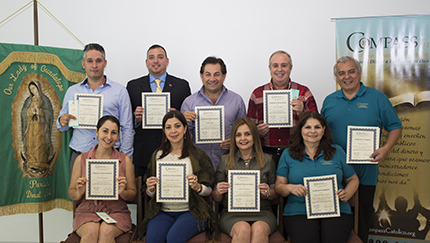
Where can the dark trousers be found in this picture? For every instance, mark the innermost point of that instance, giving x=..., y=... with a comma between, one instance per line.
x=325, y=230
x=276, y=155
x=139, y=171
x=275, y=152
x=73, y=157
x=365, y=210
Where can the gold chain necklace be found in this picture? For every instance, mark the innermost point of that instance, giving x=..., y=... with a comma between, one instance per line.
x=247, y=160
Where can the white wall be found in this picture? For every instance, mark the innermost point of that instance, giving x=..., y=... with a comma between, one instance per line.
x=243, y=33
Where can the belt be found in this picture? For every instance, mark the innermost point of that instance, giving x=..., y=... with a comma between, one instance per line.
x=76, y=151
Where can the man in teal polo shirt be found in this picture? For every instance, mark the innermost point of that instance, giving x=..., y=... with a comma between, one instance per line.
x=358, y=105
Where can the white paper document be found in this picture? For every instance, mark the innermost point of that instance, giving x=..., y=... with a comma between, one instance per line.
x=155, y=106
x=277, y=108
x=243, y=194
x=172, y=184
x=102, y=175
x=73, y=110
x=362, y=142
x=106, y=217
x=209, y=124
x=322, y=200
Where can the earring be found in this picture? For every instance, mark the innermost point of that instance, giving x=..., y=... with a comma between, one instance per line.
x=185, y=136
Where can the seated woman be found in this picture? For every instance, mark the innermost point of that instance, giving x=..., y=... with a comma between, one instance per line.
x=178, y=222
x=86, y=223
x=246, y=154
x=311, y=153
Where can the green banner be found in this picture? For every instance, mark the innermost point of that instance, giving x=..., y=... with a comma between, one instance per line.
x=35, y=156
x=395, y=56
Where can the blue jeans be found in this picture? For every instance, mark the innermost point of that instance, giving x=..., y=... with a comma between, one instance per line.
x=173, y=227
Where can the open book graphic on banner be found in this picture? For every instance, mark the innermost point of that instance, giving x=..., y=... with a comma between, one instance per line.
x=409, y=98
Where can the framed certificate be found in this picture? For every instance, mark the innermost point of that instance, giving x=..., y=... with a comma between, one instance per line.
x=102, y=183
x=155, y=106
x=321, y=201
x=172, y=184
x=362, y=142
x=243, y=194
x=90, y=110
x=277, y=108
x=209, y=124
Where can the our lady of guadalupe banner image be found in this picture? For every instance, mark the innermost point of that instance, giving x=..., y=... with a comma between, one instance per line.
x=395, y=56
x=35, y=155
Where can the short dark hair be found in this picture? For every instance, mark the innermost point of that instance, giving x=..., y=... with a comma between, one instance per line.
x=165, y=146
x=94, y=46
x=214, y=60
x=154, y=47
x=107, y=118
x=297, y=146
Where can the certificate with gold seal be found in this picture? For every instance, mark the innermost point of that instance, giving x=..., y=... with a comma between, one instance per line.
x=322, y=200
x=243, y=194
x=102, y=175
x=172, y=184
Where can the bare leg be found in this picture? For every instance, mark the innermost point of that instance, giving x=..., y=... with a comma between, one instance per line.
x=260, y=232
x=108, y=233
x=241, y=232
x=89, y=232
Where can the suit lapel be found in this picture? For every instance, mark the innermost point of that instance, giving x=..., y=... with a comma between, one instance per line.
x=168, y=86
x=146, y=87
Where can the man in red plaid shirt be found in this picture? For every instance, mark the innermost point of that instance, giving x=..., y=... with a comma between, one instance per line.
x=274, y=140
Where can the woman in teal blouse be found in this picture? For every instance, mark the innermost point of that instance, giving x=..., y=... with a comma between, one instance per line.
x=311, y=153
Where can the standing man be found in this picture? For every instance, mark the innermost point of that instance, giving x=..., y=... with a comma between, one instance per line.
x=358, y=105
x=275, y=140
x=146, y=141
x=213, y=93
x=115, y=103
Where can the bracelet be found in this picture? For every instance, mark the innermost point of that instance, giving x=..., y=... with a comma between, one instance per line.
x=267, y=196
x=200, y=189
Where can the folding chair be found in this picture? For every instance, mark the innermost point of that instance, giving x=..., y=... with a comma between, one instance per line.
x=353, y=202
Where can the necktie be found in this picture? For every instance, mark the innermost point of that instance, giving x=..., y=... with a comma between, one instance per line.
x=158, y=90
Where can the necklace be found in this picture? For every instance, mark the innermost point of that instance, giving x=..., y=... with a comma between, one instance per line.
x=247, y=160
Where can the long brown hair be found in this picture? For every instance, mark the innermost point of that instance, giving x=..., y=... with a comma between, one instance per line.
x=166, y=147
x=297, y=146
x=256, y=148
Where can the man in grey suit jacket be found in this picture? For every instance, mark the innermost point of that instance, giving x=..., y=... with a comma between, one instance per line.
x=146, y=141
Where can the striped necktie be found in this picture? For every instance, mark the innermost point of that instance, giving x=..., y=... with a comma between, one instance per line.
x=158, y=90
